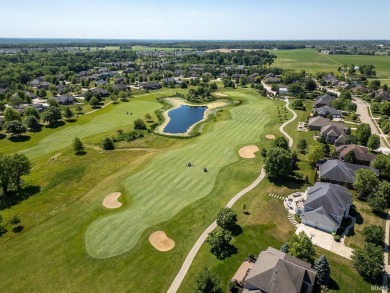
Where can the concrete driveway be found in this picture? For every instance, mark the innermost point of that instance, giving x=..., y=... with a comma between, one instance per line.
x=325, y=241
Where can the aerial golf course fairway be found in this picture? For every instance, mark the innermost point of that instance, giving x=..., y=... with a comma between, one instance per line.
x=166, y=185
x=84, y=246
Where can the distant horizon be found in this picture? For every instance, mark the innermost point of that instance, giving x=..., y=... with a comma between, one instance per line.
x=200, y=20
x=180, y=40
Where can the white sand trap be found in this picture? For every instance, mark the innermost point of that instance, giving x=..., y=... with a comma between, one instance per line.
x=221, y=95
x=111, y=201
x=161, y=241
x=248, y=152
x=270, y=136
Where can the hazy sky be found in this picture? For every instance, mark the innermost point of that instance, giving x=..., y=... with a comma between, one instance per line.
x=197, y=19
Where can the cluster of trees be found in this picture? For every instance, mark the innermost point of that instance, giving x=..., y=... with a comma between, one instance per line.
x=202, y=93
x=344, y=102
x=301, y=247
x=18, y=69
x=363, y=136
x=12, y=168
x=219, y=240
x=279, y=161
x=247, y=58
x=15, y=126
x=369, y=261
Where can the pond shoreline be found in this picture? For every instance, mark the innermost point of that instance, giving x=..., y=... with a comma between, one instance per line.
x=177, y=102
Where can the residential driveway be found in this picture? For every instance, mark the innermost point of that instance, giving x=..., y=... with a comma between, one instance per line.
x=325, y=241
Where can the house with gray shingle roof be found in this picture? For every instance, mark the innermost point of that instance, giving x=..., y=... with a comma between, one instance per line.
x=323, y=100
x=362, y=156
x=325, y=207
x=325, y=111
x=339, y=172
x=334, y=133
x=278, y=272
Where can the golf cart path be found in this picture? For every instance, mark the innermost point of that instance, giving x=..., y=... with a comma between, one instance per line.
x=194, y=250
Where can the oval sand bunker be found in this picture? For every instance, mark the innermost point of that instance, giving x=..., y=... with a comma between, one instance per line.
x=248, y=152
x=161, y=241
x=111, y=201
x=270, y=136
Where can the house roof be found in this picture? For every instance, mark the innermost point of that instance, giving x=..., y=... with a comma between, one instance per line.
x=341, y=171
x=333, y=198
x=319, y=121
x=321, y=217
x=361, y=153
x=325, y=110
x=323, y=100
x=333, y=130
x=64, y=99
x=278, y=272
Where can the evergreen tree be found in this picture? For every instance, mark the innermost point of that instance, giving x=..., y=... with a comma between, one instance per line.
x=321, y=266
x=78, y=146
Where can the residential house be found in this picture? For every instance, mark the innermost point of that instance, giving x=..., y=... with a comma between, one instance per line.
x=44, y=85
x=64, y=99
x=101, y=82
x=120, y=87
x=382, y=94
x=362, y=156
x=278, y=272
x=334, y=133
x=344, y=85
x=323, y=100
x=61, y=89
x=150, y=85
x=283, y=91
x=325, y=206
x=316, y=123
x=339, y=172
x=272, y=80
x=100, y=92
x=325, y=111
x=330, y=79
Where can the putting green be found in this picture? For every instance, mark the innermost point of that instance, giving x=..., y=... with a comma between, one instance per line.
x=114, y=118
x=166, y=185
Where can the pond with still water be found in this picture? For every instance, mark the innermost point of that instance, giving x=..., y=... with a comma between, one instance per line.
x=183, y=117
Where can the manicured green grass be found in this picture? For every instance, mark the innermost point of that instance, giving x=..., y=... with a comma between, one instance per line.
x=313, y=61
x=52, y=255
x=175, y=185
x=51, y=140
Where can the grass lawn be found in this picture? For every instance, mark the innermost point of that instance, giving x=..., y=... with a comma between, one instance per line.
x=52, y=140
x=175, y=185
x=313, y=61
x=52, y=256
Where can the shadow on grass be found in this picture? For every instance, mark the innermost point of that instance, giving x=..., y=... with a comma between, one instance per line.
x=236, y=230
x=56, y=124
x=2, y=136
x=289, y=182
x=71, y=120
x=382, y=215
x=81, y=153
x=22, y=138
x=35, y=130
x=14, y=197
x=333, y=285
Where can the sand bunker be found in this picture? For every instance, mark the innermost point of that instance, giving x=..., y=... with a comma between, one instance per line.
x=160, y=241
x=248, y=152
x=111, y=201
x=270, y=136
x=221, y=95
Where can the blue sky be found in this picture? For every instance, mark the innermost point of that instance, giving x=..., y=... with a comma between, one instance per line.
x=199, y=19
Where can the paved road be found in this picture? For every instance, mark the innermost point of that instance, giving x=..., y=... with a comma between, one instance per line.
x=363, y=110
x=194, y=250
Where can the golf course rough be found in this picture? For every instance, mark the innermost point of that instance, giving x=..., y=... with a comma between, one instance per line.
x=166, y=185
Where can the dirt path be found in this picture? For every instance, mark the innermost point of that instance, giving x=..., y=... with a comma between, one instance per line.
x=194, y=250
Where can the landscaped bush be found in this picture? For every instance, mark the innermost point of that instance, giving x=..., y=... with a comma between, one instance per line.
x=297, y=218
